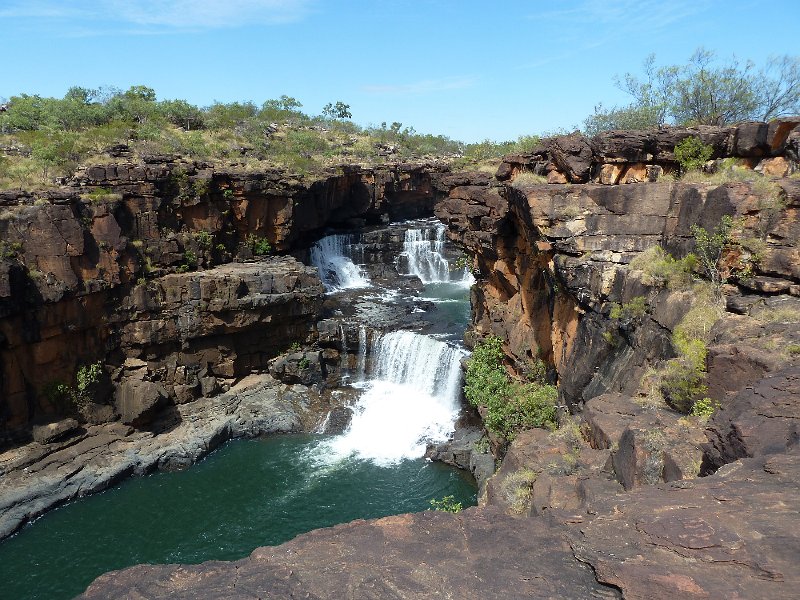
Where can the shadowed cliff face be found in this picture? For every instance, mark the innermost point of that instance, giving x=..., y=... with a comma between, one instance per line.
x=103, y=270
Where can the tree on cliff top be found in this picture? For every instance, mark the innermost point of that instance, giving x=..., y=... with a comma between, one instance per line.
x=703, y=92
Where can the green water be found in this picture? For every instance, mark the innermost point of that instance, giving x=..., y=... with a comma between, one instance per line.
x=247, y=494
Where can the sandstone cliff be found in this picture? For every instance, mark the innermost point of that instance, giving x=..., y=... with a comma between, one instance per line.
x=566, y=274
x=102, y=270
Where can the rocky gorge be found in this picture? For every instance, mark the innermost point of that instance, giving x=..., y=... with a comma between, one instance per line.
x=155, y=270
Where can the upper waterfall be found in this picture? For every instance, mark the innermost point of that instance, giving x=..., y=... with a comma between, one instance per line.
x=333, y=256
x=423, y=251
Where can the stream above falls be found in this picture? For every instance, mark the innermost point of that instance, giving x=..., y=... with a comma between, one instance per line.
x=402, y=318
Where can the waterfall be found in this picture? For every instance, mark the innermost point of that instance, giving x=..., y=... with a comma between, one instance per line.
x=423, y=250
x=411, y=399
x=362, y=353
x=333, y=257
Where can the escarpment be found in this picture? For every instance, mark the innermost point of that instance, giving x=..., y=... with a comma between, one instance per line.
x=639, y=493
x=139, y=266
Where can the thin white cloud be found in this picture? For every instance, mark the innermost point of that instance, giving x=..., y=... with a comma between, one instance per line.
x=425, y=86
x=626, y=14
x=152, y=16
x=613, y=18
x=209, y=13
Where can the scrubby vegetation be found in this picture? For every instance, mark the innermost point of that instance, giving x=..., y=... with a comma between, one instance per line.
x=446, y=504
x=680, y=382
x=510, y=406
x=692, y=154
x=703, y=91
x=75, y=397
x=44, y=139
x=662, y=269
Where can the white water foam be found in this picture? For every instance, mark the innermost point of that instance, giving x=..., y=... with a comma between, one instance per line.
x=333, y=257
x=424, y=252
x=411, y=400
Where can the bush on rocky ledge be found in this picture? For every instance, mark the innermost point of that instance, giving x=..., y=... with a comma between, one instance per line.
x=510, y=406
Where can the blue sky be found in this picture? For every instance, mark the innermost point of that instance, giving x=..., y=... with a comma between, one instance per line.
x=468, y=69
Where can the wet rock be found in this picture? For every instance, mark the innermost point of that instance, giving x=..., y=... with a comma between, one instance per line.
x=338, y=420
x=36, y=478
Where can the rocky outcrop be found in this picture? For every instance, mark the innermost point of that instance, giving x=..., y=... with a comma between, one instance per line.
x=472, y=555
x=104, y=270
x=613, y=157
x=760, y=420
x=707, y=538
x=166, y=341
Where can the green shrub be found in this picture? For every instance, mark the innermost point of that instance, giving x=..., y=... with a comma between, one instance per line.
x=87, y=377
x=204, y=239
x=710, y=247
x=189, y=260
x=682, y=381
x=9, y=249
x=662, y=269
x=303, y=363
x=446, y=504
x=704, y=408
x=692, y=154
x=259, y=246
x=636, y=308
x=793, y=349
x=510, y=407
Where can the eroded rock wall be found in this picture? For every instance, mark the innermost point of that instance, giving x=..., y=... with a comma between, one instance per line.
x=139, y=265
x=553, y=259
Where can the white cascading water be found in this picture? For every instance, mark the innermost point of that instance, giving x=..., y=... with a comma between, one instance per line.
x=333, y=257
x=423, y=249
x=410, y=400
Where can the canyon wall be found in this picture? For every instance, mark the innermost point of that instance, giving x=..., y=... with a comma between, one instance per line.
x=609, y=505
x=139, y=265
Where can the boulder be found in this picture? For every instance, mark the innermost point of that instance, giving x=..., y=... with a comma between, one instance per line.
x=751, y=140
x=45, y=434
x=573, y=156
x=778, y=133
x=761, y=419
x=137, y=402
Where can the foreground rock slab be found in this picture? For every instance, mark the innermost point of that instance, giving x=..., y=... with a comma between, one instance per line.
x=476, y=554
x=735, y=534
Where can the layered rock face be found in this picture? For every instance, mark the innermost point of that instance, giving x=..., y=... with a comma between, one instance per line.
x=609, y=505
x=102, y=270
x=553, y=260
x=613, y=157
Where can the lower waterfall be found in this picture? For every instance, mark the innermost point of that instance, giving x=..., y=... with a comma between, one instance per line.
x=409, y=400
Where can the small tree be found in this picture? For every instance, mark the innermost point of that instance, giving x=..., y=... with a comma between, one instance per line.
x=711, y=245
x=340, y=110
